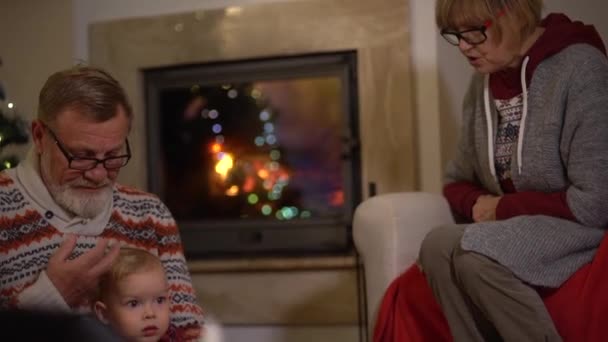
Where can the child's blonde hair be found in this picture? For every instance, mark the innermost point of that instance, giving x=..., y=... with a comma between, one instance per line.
x=128, y=262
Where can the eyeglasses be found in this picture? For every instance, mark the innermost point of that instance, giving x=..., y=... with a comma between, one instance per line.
x=85, y=163
x=473, y=36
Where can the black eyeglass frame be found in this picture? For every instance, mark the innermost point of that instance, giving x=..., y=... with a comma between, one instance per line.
x=72, y=158
x=483, y=28
x=459, y=34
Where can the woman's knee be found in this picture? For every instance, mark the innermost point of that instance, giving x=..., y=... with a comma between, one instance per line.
x=438, y=246
x=470, y=268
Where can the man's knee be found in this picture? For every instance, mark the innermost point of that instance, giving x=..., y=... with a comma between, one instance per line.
x=438, y=245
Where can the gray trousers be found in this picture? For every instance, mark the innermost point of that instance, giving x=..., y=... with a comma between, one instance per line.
x=481, y=299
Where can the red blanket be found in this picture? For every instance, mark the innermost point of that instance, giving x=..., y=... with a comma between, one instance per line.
x=409, y=312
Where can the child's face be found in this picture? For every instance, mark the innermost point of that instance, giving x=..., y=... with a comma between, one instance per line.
x=139, y=309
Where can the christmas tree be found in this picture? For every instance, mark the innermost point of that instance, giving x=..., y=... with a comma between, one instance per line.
x=13, y=131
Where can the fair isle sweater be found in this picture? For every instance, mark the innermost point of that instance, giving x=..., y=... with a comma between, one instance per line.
x=562, y=147
x=32, y=228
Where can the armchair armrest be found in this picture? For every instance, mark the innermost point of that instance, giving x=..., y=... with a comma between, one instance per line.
x=388, y=230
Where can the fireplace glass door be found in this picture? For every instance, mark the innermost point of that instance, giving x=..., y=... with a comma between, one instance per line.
x=257, y=156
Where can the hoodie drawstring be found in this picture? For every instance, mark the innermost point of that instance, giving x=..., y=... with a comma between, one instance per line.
x=524, y=113
x=486, y=100
x=522, y=125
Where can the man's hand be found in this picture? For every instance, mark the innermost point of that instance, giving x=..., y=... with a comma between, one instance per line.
x=191, y=334
x=485, y=208
x=75, y=279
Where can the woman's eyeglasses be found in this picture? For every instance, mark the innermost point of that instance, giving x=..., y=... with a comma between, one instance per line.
x=473, y=36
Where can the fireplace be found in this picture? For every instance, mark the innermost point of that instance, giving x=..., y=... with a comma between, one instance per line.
x=257, y=156
x=376, y=31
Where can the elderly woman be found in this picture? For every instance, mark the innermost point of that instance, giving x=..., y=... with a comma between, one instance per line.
x=531, y=171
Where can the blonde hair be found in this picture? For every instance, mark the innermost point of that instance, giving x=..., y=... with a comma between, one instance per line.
x=457, y=13
x=128, y=262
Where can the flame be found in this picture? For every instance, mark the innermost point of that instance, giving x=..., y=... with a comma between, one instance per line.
x=232, y=191
x=263, y=173
x=336, y=198
x=216, y=148
x=249, y=184
x=224, y=165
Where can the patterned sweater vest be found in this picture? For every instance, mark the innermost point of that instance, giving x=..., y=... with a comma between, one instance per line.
x=507, y=132
x=139, y=219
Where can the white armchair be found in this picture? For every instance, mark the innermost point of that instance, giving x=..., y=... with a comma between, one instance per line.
x=388, y=230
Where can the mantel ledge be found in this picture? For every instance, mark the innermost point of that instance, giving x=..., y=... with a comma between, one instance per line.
x=274, y=264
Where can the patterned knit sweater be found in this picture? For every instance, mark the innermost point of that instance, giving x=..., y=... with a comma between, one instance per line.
x=30, y=233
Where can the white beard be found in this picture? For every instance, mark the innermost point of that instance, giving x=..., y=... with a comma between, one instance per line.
x=77, y=202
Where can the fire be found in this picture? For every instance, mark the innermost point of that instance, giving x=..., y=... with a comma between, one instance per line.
x=253, y=172
x=224, y=165
x=216, y=148
x=232, y=191
x=263, y=173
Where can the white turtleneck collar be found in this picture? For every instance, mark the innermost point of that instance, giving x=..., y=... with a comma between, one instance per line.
x=27, y=177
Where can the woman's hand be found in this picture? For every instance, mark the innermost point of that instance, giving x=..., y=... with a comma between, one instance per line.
x=485, y=208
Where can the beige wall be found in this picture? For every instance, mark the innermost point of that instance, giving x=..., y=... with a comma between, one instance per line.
x=35, y=40
x=426, y=94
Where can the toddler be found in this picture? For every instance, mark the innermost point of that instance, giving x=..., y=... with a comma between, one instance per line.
x=133, y=297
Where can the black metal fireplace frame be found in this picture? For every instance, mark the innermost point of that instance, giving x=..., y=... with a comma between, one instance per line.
x=261, y=237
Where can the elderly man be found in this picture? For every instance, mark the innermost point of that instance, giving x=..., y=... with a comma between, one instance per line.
x=63, y=217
